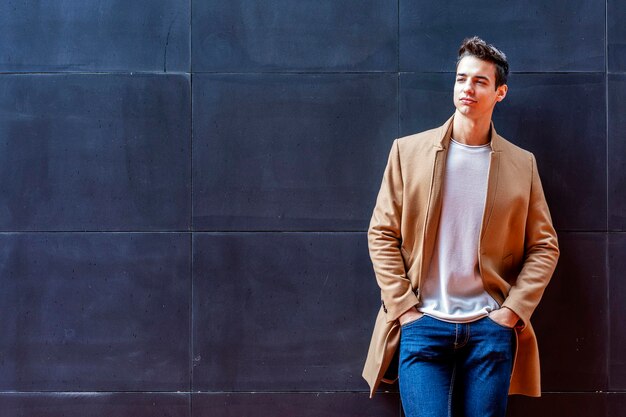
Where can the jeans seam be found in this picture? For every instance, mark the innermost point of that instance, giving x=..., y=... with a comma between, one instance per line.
x=451, y=390
x=467, y=335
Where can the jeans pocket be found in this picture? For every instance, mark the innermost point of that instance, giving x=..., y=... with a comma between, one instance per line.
x=502, y=326
x=410, y=323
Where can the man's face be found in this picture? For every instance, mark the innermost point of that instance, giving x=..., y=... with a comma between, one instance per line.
x=475, y=93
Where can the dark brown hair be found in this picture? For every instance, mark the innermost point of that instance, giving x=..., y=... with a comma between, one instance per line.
x=482, y=50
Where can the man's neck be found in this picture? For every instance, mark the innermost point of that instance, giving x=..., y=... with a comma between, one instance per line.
x=473, y=132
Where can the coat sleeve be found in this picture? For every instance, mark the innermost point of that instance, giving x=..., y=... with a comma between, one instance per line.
x=385, y=240
x=541, y=252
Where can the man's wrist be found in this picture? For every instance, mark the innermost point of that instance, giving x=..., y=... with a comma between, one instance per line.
x=514, y=319
x=408, y=315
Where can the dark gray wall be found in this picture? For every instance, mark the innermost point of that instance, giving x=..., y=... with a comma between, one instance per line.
x=185, y=188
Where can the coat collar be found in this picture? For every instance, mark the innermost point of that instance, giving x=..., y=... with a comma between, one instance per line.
x=442, y=139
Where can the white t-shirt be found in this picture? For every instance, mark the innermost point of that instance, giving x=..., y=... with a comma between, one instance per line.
x=453, y=289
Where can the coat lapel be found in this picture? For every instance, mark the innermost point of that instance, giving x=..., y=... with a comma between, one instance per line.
x=440, y=145
x=492, y=182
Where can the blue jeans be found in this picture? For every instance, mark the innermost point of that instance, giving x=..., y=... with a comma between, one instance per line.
x=449, y=369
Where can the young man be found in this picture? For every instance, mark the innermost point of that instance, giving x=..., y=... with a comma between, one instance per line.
x=462, y=245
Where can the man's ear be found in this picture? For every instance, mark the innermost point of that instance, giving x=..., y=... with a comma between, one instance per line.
x=501, y=92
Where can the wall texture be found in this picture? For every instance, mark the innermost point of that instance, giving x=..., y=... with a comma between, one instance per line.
x=185, y=188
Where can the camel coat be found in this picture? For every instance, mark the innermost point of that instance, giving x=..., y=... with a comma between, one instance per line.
x=517, y=253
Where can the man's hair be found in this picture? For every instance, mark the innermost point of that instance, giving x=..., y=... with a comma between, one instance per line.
x=482, y=50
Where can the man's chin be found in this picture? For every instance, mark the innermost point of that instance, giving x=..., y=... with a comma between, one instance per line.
x=464, y=110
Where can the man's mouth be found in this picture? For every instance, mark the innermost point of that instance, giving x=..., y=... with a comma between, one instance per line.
x=466, y=100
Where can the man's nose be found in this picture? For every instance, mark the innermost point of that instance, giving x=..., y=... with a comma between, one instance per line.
x=468, y=87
